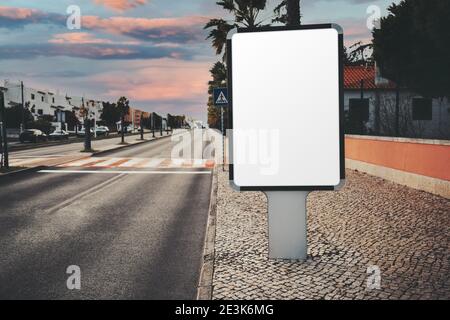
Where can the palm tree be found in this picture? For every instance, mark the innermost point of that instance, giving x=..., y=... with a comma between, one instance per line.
x=219, y=78
x=123, y=105
x=245, y=14
x=288, y=12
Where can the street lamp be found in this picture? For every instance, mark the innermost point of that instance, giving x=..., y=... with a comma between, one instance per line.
x=3, y=134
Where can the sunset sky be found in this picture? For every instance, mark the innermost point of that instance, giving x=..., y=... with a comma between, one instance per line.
x=152, y=51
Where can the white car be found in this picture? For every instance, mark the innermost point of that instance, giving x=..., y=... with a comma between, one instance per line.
x=59, y=135
x=102, y=131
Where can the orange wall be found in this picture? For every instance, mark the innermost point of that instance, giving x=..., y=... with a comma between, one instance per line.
x=425, y=159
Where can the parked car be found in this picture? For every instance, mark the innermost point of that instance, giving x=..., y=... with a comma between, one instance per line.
x=82, y=132
x=127, y=129
x=102, y=131
x=32, y=135
x=59, y=135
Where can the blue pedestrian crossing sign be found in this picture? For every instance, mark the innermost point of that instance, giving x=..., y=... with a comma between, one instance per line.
x=220, y=97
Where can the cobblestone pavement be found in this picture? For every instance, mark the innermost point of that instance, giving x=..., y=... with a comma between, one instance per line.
x=402, y=231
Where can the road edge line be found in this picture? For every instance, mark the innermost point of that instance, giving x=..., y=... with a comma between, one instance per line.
x=205, y=284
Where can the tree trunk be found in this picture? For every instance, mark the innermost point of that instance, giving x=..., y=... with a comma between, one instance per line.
x=87, y=135
x=122, y=127
x=3, y=134
x=293, y=12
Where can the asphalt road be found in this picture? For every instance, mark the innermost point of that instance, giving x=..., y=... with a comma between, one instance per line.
x=134, y=236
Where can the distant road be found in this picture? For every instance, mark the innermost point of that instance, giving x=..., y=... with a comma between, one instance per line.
x=69, y=148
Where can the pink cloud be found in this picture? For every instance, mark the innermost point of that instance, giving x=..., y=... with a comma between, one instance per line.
x=355, y=30
x=160, y=80
x=77, y=37
x=121, y=5
x=17, y=13
x=184, y=28
x=85, y=38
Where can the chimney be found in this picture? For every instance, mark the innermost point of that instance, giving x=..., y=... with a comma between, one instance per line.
x=379, y=80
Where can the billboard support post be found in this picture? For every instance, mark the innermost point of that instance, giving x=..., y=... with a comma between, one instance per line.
x=287, y=224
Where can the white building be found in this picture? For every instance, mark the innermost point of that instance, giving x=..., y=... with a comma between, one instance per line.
x=371, y=98
x=46, y=103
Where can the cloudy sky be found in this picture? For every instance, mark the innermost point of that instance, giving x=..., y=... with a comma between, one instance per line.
x=152, y=51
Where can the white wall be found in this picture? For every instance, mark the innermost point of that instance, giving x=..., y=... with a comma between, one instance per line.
x=438, y=127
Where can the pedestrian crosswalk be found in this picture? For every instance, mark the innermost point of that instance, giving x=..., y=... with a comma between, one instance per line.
x=154, y=163
x=31, y=161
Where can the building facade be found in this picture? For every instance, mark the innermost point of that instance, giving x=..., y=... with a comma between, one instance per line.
x=370, y=107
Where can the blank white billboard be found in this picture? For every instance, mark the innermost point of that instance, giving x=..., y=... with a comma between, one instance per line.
x=286, y=108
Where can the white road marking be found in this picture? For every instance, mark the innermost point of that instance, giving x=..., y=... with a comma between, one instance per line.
x=153, y=163
x=21, y=162
x=198, y=163
x=78, y=163
x=131, y=163
x=124, y=172
x=107, y=162
x=90, y=191
x=177, y=163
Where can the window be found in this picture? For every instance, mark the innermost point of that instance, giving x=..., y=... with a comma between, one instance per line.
x=40, y=112
x=53, y=100
x=359, y=109
x=42, y=98
x=32, y=96
x=422, y=109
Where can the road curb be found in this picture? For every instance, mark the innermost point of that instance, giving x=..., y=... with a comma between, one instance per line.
x=205, y=284
x=63, y=142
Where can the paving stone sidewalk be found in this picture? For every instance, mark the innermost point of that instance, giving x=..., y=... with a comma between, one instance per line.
x=370, y=222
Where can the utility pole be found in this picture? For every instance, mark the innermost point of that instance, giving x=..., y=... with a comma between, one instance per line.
x=4, y=140
x=122, y=127
x=22, y=128
x=293, y=12
x=87, y=129
x=223, y=138
x=95, y=124
x=153, y=124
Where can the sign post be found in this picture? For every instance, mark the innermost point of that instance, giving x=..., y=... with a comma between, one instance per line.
x=221, y=100
x=3, y=133
x=287, y=111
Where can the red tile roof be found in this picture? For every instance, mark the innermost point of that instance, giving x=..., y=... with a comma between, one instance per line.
x=354, y=74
